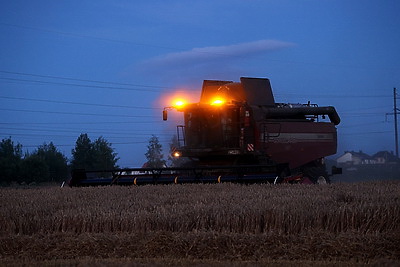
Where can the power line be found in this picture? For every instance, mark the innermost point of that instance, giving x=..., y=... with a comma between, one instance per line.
x=56, y=136
x=74, y=130
x=360, y=115
x=81, y=85
x=73, y=145
x=334, y=96
x=34, y=135
x=366, y=108
x=81, y=80
x=361, y=124
x=180, y=49
x=76, y=113
x=75, y=103
x=90, y=37
x=78, y=123
x=366, y=133
x=41, y=132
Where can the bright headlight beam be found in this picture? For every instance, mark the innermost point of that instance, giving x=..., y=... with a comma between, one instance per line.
x=217, y=102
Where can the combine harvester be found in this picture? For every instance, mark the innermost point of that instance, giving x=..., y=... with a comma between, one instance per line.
x=237, y=133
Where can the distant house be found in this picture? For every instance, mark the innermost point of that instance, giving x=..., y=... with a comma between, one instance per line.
x=355, y=158
x=360, y=158
x=385, y=157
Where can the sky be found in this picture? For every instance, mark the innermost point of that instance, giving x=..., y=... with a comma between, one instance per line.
x=107, y=68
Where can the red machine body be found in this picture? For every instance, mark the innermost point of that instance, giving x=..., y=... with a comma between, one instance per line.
x=240, y=123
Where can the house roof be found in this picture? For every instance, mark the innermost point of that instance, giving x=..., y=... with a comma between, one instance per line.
x=388, y=156
x=359, y=154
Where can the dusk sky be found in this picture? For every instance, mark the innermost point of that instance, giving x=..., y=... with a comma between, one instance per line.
x=106, y=68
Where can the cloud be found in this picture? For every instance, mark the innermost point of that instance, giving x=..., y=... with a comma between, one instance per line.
x=211, y=54
x=213, y=62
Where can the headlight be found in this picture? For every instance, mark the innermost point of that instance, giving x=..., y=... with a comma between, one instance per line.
x=176, y=154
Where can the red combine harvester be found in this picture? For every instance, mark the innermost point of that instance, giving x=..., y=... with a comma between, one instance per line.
x=237, y=133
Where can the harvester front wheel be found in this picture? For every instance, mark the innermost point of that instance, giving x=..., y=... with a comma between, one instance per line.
x=316, y=172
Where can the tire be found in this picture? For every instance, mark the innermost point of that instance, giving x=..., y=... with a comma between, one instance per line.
x=316, y=172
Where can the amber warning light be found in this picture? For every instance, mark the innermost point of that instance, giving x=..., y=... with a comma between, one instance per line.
x=178, y=104
x=176, y=154
x=217, y=102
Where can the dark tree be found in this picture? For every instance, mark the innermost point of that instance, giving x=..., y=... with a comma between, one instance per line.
x=34, y=169
x=154, y=154
x=10, y=160
x=45, y=164
x=82, y=154
x=104, y=155
x=97, y=155
x=57, y=163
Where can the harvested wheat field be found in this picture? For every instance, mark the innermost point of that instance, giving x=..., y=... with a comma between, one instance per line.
x=352, y=224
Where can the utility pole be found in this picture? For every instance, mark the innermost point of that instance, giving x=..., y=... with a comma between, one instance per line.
x=395, y=112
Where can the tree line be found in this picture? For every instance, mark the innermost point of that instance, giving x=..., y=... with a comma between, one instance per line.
x=48, y=164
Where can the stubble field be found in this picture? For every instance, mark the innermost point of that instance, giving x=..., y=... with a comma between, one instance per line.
x=202, y=224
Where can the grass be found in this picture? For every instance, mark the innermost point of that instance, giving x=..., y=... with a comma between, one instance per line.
x=202, y=224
